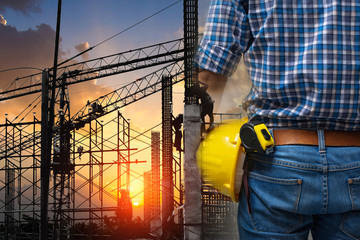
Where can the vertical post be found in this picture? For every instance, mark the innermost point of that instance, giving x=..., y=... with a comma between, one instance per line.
x=190, y=45
x=155, y=222
x=101, y=178
x=19, y=193
x=91, y=157
x=192, y=206
x=46, y=129
x=192, y=130
x=128, y=157
x=118, y=163
x=35, y=175
x=45, y=156
x=167, y=159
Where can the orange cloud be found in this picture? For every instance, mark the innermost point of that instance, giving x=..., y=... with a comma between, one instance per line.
x=82, y=47
x=2, y=20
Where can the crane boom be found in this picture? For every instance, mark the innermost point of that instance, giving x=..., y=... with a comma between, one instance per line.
x=127, y=61
x=112, y=101
x=127, y=94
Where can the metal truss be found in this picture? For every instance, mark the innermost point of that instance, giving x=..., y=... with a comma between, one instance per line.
x=20, y=181
x=128, y=94
x=83, y=192
x=92, y=187
x=110, y=102
x=131, y=60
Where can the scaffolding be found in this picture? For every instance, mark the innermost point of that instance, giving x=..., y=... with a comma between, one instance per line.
x=19, y=175
x=167, y=158
x=191, y=36
x=90, y=181
x=219, y=212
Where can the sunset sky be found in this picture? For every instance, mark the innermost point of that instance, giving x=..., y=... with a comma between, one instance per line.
x=27, y=33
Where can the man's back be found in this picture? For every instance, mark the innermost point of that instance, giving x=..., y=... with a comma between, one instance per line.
x=302, y=56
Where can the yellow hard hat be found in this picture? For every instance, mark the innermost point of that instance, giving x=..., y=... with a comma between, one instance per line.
x=220, y=158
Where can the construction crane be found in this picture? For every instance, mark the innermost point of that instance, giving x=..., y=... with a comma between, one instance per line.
x=123, y=96
x=154, y=55
x=170, y=52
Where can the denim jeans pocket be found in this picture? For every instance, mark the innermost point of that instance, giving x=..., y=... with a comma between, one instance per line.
x=350, y=222
x=354, y=192
x=273, y=203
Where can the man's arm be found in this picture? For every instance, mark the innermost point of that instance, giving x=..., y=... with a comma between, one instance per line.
x=215, y=82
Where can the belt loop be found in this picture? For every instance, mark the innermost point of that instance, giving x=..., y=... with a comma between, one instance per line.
x=321, y=138
x=271, y=131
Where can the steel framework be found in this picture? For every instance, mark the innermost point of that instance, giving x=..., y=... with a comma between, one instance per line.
x=218, y=211
x=21, y=183
x=80, y=191
x=19, y=174
x=154, y=55
x=63, y=180
x=167, y=158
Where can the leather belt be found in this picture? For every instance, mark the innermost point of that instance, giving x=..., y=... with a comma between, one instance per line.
x=309, y=137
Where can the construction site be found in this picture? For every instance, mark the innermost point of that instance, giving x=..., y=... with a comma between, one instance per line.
x=70, y=175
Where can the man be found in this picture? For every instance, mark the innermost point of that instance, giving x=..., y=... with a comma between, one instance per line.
x=207, y=103
x=303, y=58
x=176, y=124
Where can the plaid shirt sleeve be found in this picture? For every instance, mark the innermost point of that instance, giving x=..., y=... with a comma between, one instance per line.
x=226, y=36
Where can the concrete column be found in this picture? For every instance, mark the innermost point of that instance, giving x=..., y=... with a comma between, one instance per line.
x=192, y=180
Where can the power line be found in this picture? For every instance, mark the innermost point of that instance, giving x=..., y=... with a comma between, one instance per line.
x=19, y=68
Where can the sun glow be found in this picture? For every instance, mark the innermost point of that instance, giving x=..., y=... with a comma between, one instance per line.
x=136, y=203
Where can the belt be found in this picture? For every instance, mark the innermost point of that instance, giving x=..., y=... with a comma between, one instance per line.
x=309, y=137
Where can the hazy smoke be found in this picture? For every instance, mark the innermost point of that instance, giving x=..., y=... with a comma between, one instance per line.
x=23, y=6
x=237, y=88
x=2, y=20
x=82, y=47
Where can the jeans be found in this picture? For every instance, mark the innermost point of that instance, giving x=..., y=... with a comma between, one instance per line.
x=298, y=189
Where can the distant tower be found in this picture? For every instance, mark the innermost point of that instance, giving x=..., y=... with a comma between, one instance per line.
x=148, y=198
x=152, y=213
x=155, y=170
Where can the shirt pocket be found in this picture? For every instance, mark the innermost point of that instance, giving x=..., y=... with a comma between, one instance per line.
x=274, y=203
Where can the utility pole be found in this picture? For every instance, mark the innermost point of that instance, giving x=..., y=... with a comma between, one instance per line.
x=47, y=122
x=192, y=128
x=45, y=156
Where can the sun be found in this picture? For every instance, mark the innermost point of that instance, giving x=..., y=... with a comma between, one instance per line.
x=136, y=203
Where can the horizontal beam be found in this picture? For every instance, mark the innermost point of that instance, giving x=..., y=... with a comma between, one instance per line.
x=131, y=60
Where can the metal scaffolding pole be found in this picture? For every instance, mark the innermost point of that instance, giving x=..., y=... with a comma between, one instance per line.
x=45, y=156
x=192, y=130
x=167, y=159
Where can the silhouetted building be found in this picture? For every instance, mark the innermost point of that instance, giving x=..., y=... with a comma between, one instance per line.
x=152, y=188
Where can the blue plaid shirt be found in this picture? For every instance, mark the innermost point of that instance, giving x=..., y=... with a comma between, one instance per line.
x=303, y=58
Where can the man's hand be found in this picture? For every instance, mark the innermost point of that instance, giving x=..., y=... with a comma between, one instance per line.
x=215, y=82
